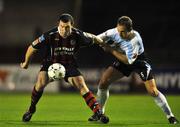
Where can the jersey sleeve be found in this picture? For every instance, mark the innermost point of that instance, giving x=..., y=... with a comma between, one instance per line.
x=85, y=39
x=106, y=36
x=41, y=41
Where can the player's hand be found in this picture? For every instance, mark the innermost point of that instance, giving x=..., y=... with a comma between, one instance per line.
x=24, y=65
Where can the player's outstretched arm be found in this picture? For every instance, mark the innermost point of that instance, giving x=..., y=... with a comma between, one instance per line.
x=121, y=57
x=29, y=53
x=97, y=40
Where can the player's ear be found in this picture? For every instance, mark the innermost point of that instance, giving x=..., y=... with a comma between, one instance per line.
x=72, y=22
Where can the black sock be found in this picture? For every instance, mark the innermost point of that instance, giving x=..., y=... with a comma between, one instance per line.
x=36, y=95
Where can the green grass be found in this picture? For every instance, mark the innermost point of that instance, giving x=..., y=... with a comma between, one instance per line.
x=70, y=110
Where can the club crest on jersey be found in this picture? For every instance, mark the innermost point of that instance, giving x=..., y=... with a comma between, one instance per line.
x=73, y=42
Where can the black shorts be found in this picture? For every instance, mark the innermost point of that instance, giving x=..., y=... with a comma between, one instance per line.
x=140, y=66
x=71, y=70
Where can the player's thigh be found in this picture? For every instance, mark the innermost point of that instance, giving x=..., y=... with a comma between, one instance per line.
x=109, y=75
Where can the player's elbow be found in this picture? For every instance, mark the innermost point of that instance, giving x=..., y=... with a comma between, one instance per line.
x=32, y=49
x=126, y=61
x=130, y=60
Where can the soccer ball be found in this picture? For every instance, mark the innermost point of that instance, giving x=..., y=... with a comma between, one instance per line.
x=56, y=71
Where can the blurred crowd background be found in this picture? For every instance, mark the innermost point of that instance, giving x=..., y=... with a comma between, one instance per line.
x=22, y=21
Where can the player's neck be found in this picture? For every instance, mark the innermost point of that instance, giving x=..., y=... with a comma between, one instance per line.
x=131, y=35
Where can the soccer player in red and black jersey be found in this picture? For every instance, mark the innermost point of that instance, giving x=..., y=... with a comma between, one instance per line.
x=59, y=46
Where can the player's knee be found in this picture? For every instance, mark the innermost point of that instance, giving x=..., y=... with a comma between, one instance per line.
x=44, y=82
x=153, y=92
x=103, y=84
x=79, y=80
x=40, y=85
x=79, y=83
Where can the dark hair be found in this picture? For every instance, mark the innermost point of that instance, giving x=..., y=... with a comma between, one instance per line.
x=66, y=18
x=126, y=21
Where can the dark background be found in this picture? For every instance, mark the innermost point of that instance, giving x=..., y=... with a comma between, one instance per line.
x=157, y=22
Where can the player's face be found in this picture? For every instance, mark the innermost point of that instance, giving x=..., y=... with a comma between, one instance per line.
x=122, y=31
x=65, y=29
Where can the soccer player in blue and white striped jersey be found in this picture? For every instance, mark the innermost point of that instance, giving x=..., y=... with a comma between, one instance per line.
x=127, y=46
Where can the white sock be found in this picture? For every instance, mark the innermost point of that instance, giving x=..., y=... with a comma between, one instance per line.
x=163, y=104
x=102, y=96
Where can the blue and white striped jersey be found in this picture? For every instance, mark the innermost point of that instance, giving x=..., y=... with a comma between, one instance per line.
x=129, y=48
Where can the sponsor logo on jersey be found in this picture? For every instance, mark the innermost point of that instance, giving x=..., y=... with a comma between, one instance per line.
x=63, y=51
x=56, y=39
